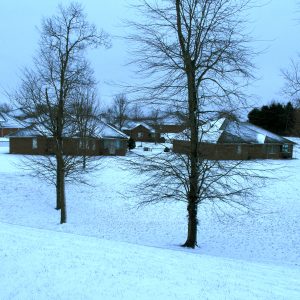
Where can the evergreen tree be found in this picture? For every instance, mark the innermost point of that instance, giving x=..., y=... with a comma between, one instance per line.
x=276, y=117
x=131, y=143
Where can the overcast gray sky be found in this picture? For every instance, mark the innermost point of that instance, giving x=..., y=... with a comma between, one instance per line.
x=274, y=24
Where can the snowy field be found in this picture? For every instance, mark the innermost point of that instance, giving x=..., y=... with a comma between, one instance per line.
x=109, y=249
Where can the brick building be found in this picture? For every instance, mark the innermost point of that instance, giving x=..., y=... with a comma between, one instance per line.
x=8, y=125
x=142, y=132
x=230, y=140
x=108, y=141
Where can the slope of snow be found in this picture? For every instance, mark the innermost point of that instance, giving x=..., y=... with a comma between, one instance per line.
x=40, y=264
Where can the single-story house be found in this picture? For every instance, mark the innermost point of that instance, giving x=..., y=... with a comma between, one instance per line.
x=141, y=132
x=229, y=140
x=107, y=141
x=169, y=124
x=8, y=125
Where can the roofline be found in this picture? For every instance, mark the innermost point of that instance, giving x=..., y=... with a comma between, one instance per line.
x=139, y=124
x=115, y=129
x=277, y=135
x=26, y=136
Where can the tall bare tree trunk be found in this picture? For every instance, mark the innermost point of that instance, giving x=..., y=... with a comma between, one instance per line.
x=191, y=241
x=61, y=182
x=190, y=71
x=63, y=211
x=84, y=162
x=58, y=185
x=85, y=144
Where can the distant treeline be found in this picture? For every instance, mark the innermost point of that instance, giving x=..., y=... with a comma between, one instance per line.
x=276, y=117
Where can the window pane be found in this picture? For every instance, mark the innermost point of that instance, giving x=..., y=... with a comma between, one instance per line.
x=285, y=148
x=34, y=143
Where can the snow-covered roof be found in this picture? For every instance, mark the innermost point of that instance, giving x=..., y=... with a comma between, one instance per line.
x=17, y=113
x=208, y=132
x=25, y=132
x=226, y=131
x=8, y=121
x=103, y=130
x=252, y=134
x=170, y=120
x=2, y=119
x=129, y=125
x=172, y=136
x=107, y=131
x=268, y=134
x=211, y=131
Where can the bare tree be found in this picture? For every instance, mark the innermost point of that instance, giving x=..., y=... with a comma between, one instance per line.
x=120, y=110
x=155, y=121
x=193, y=54
x=5, y=108
x=220, y=182
x=135, y=112
x=107, y=115
x=292, y=82
x=84, y=114
x=49, y=89
x=230, y=115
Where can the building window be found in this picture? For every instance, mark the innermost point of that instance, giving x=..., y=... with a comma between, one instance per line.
x=112, y=145
x=93, y=142
x=81, y=144
x=84, y=143
x=285, y=148
x=272, y=149
x=239, y=149
x=140, y=135
x=34, y=143
x=118, y=144
x=87, y=144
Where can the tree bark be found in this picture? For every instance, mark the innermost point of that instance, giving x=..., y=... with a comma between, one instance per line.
x=63, y=211
x=84, y=162
x=58, y=186
x=61, y=186
x=191, y=241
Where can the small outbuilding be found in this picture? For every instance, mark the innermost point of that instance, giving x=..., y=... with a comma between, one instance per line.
x=141, y=132
x=169, y=124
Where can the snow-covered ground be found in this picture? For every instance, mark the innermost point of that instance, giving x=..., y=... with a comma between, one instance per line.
x=109, y=249
x=42, y=264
